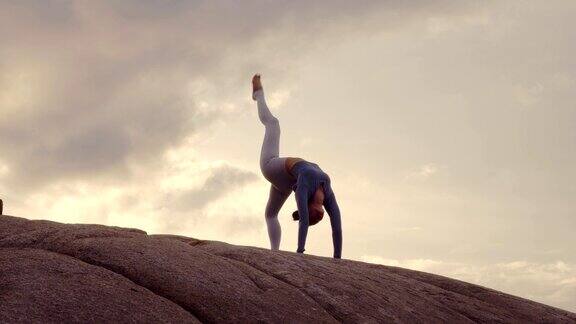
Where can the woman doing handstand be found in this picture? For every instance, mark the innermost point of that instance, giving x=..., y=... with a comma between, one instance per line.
x=311, y=185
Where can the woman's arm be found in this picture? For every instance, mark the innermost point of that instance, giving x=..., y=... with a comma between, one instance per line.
x=333, y=210
x=301, y=194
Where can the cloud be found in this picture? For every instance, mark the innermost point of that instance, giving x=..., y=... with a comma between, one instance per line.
x=407, y=229
x=3, y=169
x=221, y=181
x=528, y=96
x=91, y=111
x=93, y=95
x=91, y=88
x=422, y=172
x=552, y=283
x=174, y=199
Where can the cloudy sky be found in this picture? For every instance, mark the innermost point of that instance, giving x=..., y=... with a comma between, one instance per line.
x=448, y=127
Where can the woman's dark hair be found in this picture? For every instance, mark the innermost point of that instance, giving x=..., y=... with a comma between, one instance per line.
x=313, y=219
x=295, y=215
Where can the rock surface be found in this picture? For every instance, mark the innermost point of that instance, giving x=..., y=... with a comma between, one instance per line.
x=52, y=272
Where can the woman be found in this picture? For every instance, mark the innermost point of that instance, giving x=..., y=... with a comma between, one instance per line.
x=310, y=184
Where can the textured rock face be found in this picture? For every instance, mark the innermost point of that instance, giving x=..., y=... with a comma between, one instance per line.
x=51, y=272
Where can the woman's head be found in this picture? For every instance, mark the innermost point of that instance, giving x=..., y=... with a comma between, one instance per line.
x=315, y=215
x=315, y=209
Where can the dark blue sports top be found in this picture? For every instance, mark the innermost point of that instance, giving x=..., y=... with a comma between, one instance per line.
x=309, y=178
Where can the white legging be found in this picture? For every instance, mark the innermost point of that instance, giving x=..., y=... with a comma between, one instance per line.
x=274, y=170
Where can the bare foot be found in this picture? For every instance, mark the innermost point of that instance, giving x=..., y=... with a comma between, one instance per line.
x=256, y=83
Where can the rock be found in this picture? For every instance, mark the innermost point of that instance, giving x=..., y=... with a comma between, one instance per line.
x=52, y=272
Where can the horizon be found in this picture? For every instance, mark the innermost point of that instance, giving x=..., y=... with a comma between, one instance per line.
x=447, y=128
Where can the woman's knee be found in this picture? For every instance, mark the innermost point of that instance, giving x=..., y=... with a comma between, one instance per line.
x=272, y=124
x=270, y=215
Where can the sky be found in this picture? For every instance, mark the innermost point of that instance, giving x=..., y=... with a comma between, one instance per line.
x=447, y=127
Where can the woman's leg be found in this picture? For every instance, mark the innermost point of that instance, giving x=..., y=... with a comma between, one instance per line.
x=271, y=143
x=270, y=150
x=275, y=201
